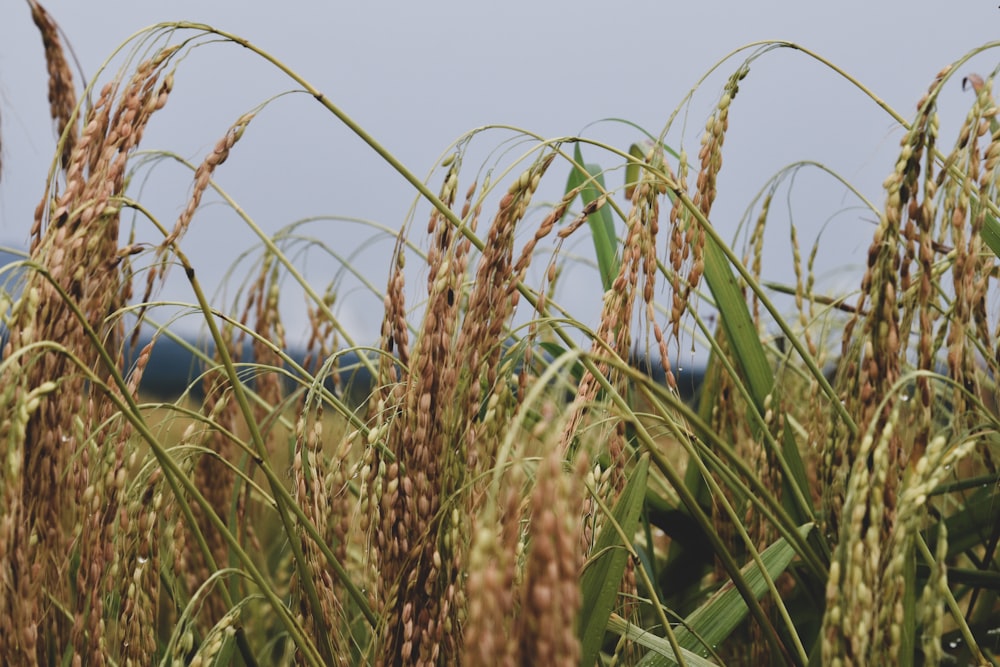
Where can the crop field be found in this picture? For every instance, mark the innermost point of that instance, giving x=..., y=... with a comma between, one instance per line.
x=509, y=486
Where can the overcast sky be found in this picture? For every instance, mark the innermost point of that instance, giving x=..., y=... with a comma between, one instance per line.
x=417, y=76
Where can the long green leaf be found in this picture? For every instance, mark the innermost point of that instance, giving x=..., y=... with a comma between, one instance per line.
x=711, y=623
x=590, y=180
x=633, y=170
x=741, y=334
x=749, y=354
x=603, y=574
x=991, y=234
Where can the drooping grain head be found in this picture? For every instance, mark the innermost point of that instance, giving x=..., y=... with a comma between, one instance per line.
x=753, y=257
x=62, y=94
x=545, y=229
x=687, y=238
x=872, y=361
x=147, y=512
x=202, y=179
x=438, y=438
x=864, y=620
x=491, y=306
x=969, y=184
x=407, y=559
x=863, y=471
x=71, y=462
x=888, y=473
x=321, y=489
x=215, y=479
x=636, y=279
x=324, y=338
x=525, y=560
x=547, y=625
x=493, y=589
x=262, y=302
x=678, y=251
x=395, y=336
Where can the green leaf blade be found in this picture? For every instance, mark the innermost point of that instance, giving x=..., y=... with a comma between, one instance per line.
x=712, y=622
x=603, y=574
x=590, y=179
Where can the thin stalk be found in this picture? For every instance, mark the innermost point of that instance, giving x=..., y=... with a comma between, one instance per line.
x=261, y=454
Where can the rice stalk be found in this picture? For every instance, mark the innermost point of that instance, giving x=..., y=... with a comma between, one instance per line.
x=546, y=629
x=62, y=461
x=62, y=92
x=868, y=617
x=492, y=591
x=421, y=545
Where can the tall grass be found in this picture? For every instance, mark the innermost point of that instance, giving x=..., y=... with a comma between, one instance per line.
x=507, y=494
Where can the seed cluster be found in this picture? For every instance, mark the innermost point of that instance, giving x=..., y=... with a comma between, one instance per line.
x=61, y=457
x=62, y=94
x=878, y=484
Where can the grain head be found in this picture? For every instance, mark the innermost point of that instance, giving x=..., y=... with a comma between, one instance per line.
x=71, y=462
x=62, y=92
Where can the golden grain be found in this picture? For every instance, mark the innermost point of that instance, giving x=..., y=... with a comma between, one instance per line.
x=62, y=95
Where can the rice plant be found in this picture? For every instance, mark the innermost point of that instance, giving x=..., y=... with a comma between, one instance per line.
x=511, y=488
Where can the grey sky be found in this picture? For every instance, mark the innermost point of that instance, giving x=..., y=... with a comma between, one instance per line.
x=419, y=75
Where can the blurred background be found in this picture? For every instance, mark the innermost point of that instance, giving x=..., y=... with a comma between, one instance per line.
x=419, y=76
